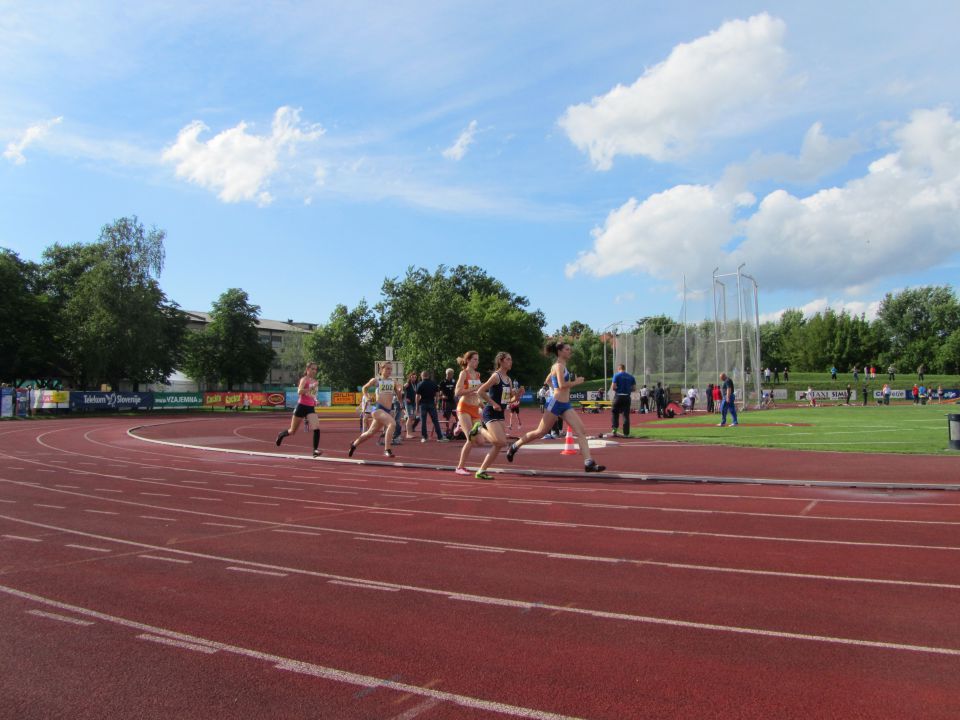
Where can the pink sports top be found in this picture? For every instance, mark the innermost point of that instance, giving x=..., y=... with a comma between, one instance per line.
x=309, y=398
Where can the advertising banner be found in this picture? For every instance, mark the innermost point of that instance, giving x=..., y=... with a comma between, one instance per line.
x=90, y=401
x=49, y=399
x=894, y=394
x=831, y=395
x=345, y=398
x=323, y=397
x=177, y=401
x=23, y=401
x=6, y=402
x=290, y=398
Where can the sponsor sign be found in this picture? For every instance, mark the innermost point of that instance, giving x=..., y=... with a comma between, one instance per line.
x=323, y=397
x=833, y=395
x=290, y=398
x=172, y=401
x=83, y=400
x=23, y=401
x=6, y=402
x=49, y=399
x=894, y=394
x=345, y=398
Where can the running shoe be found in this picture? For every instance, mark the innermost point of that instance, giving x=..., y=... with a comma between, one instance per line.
x=511, y=452
x=443, y=439
x=483, y=476
x=475, y=429
x=352, y=450
x=423, y=439
x=462, y=471
x=280, y=436
x=591, y=466
x=317, y=453
x=388, y=452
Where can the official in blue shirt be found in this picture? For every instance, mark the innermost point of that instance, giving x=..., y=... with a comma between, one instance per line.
x=621, y=387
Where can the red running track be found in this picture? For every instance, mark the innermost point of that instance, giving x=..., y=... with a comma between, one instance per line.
x=147, y=580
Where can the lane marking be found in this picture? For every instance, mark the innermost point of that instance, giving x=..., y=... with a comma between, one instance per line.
x=156, y=517
x=61, y=618
x=196, y=647
x=298, y=532
x=52, y=507
x=394, y=513
x=365, y=586
x=475, y=548
x=195, y=482
x=68, y=487
x=381, y=540
x=226, y=525
x=166, y=559
x=102, y=512
x=107, y=490
x=253, y=502
x=87, y=547
x=809, y=507
x=20, y=537
x=256, y=572
x=417, y=710
x=155, y=494
x=8, y=502
x=464, y=517
x=207, y=499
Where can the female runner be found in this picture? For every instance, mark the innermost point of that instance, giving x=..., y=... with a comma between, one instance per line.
x=498, y=391
x=306, y=408
x=559, y=407
x=468, y=405
x=387, y=392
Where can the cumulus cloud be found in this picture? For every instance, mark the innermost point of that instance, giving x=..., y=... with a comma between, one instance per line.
x=236, y=163
x=459, y=148
x=15, y=148
x=868, y=308
x=902, y=216
x=716, y=81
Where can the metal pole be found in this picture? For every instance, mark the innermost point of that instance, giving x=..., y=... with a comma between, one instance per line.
x=743, y=359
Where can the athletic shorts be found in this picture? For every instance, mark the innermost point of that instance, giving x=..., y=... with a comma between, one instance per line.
x=491, y=415
x=515, y=408
x=558, y=408
x=472, y=410
x=303, y=410
x=378, y=406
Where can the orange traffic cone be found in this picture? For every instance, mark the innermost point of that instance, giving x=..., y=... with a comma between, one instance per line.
x=569, y=447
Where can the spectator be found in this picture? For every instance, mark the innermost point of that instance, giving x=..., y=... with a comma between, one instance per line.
x=885, y=392
x=660, y=398
x=891, y=373
x=427, y=391
x=766, y=375
x=776, y=376
x=856, y=374
x=621, y=387
x=811, y=398
x=833, y=372
x=939, y=394
x=709, y=394
x=920, y=373
x=849, y=392
x=717, y=398
x=786, y=374
x=916, y=394
x=644, y=399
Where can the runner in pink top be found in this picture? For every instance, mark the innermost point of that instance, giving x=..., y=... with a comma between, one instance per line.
x=306, y=408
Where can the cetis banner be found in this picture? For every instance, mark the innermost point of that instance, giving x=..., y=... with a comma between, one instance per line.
x=223, y=399
x=177, y=401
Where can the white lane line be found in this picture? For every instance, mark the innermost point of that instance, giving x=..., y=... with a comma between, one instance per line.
x=43, y=470
x=451, y=517
x=297, y=532
x=20, y=537
x=387, y=512
x=417, y=710
x=254, y=502
x=587, y=612
x=339, y=492
x=91, y=549
x=399, y=495
x=53, y=507
x=61, y=618
x=226, y=525
x=529, y=502
x=155, y=494
x=102, y=512
x=402, y=482
x=809, y=507
x=237, y=485
x=256, y=572
x=192, y=497
x=107, y=490
x=328, y=509
x=8, y=502
x=288, y=489
x=68, y=487
x=156, y=517
x=177, y=643
x=195, y=482
x=365, y=586
x=475, y=549
x=382, y=540
x=166, y=559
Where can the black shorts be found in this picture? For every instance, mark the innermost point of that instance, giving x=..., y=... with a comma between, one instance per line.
x=491, y=415
x=303, y=410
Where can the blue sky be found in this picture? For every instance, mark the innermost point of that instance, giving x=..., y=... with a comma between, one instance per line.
x=586, y=154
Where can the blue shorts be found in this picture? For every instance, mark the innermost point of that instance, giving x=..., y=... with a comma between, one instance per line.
x=558, y=408
x=378, y=406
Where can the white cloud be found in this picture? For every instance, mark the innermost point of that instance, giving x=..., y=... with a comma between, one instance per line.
x=236, y=163
x=902, y=216
x=459, y=148
x=867, y=308
x=15, y=148
x=716, y=83
x=624, y=298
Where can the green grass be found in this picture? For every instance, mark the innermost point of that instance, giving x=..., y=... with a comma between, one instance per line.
x=904, y=428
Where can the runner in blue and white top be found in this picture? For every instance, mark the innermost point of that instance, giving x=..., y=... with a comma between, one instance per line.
x=387, y=393
x=559, y=406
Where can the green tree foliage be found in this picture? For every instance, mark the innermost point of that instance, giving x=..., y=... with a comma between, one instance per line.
x=346, y=348
x=26, y=327
x=228, y=351
x=114, y=321
x=917, y=323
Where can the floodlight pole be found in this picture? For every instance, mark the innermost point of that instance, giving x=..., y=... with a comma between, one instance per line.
x=602, y=334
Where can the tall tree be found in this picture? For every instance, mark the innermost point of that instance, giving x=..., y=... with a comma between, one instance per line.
x=228, y=351
x=346, y=347
x=117, y=324
x=27, y=349
x=917, y=322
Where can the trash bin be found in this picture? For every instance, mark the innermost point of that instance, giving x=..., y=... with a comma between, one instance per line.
x=953, y=426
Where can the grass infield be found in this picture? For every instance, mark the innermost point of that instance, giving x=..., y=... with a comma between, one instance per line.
x=902, y=428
